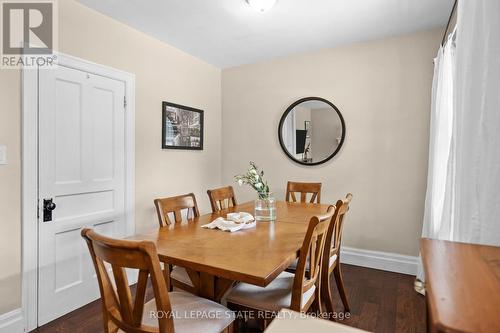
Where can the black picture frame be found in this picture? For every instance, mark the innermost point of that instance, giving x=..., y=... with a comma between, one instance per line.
x=282, y=121
x=188, y=140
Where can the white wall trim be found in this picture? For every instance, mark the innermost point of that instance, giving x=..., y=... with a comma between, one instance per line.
x=29, y=196
x=30, y=171
x=386, y=261
x=12, y=322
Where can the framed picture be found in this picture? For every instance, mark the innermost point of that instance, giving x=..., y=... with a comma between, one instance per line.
x=182, y=127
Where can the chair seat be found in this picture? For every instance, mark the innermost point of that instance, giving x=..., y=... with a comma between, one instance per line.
x=276, y=296
x=192, y=314
x=293, y=266
x=180, y=274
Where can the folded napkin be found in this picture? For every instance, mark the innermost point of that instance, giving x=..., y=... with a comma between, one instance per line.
x=233, y=222
x=241, y=217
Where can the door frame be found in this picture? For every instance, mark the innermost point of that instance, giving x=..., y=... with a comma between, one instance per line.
x=29, y=178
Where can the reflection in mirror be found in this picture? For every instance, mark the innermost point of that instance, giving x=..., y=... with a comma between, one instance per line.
x=311, y=131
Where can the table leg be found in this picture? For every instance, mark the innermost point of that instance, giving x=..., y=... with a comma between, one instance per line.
x=166, y=274
x=221, y=287
x=206, y=288
x=213, y=287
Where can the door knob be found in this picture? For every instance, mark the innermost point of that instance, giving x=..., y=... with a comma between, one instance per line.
x=48, y=207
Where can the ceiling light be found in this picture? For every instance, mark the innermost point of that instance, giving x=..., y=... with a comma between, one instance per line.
x=261, y=5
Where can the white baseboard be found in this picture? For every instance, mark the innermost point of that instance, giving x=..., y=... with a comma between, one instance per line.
x=386, y=261
x=12, y=322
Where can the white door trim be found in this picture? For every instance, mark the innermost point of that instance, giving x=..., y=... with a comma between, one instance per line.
x=30, y=171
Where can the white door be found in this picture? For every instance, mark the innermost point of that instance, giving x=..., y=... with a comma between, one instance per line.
x=82, y=169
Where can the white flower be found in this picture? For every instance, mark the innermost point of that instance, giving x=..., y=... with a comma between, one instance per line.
x=254, y=178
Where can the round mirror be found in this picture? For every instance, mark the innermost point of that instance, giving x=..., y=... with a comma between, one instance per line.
x=311, y=131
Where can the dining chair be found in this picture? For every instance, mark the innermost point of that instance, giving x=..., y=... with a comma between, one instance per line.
x=175, y=206
x=331, y=257
x=297, y=291
x=221, y=198
x=304, y=189
x=179, y=276
x=166, y=312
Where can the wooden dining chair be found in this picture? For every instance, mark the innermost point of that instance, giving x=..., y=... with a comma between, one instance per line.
x=221, y=198
x=123, y=313
x=175, y=206
x=297, y=291
x=179, y=276
x=304, y=189
x=331, y=258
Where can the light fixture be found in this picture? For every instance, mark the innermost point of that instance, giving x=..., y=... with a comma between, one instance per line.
x=261, y=5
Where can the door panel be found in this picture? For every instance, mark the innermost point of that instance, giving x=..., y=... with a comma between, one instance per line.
x=82, y=168
x=68, y=271
x=67, y=135
x=84, y=204
x=103, y=135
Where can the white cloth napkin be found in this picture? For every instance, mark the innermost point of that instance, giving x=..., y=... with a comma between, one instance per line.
x=233, y=222
x=241, y=217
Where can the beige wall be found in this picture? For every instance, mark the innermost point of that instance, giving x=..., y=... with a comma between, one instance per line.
x=10, y=190
x=383, y=89
x=162, y=73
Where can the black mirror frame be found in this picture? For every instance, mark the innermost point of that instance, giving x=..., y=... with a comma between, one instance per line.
x=290, y=108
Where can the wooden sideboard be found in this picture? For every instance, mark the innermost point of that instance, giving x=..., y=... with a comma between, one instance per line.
x=462, y=286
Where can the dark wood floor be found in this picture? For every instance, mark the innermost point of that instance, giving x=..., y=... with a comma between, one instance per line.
x=380, y=302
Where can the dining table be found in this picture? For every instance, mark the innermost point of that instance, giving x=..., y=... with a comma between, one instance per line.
x=215, y=259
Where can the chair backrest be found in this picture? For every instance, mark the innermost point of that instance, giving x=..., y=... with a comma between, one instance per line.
x=175, y=206
x=221, y=198
x=334, y=234
x=119, y=309
x=312, y=249
x=303, y=188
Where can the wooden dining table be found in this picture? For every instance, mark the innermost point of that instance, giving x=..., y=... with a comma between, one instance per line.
x=215, y=259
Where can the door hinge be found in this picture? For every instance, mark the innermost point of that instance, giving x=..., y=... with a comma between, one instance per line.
x=124, y=101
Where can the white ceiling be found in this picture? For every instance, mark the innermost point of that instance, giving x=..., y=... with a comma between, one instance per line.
x=228, y=33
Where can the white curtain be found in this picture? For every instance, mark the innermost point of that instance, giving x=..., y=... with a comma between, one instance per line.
x=437, y=221
x=477, y=124
x=463, y=187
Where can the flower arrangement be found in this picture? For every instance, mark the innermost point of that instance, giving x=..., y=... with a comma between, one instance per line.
x=254, y=178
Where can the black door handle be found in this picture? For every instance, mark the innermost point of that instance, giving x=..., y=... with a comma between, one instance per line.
x=48, y=207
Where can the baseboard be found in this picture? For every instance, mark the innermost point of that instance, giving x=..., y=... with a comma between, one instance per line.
x=386, y=261
x=12, y=322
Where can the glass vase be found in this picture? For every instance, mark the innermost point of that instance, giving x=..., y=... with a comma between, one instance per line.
x=265, y=207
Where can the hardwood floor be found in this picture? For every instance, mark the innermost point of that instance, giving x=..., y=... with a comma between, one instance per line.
x=383, y=301
x=380, y=302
